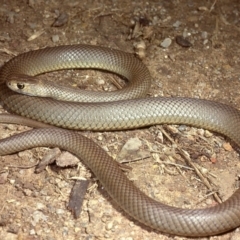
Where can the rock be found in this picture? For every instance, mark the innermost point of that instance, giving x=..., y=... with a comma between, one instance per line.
x=66, y=159
x=131, y=151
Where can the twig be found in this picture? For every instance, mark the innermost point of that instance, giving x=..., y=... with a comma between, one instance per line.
x=188, y=160
x=206, y=196
x=178, y=165
x=133, y=160
x=24, y=167
x=212, y=7
x=116, y=83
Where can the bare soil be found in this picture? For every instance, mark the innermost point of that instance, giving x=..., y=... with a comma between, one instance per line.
x=33, y=206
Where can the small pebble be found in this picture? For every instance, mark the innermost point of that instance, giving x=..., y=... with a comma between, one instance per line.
x=32, y=232
x=62, y=184
x=213, y=159
x=40, y=206
x=203, y=159
x=207, y=134
x=105, y=148
x=60, y=211
x=209, y=201
x=185, y=34
x=204, y=170
x=182, y=128
x=16, y=9
x=100, y=81
x=100, y=137
x=191, y=138
x=166, y=42
x=77, y=229
x=109, y=226
x=27, y=192
x=205, y=41
x=105, y=88
x=227, y=147
x=105, y=218
x=201, y=131
x=177, y=24
x=204, y=35
x=12, y=181
x=55, y=38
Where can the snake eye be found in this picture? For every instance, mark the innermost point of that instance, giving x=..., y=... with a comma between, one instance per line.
x=20, y=86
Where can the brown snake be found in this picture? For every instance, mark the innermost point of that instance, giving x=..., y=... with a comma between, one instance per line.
x=121, y=114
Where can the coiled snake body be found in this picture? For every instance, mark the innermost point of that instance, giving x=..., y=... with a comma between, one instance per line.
x=118, y=114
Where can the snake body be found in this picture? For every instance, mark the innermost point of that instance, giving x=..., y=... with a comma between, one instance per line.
x=119, y=114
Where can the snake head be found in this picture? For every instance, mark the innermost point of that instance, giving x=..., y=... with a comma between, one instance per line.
x=24, y=84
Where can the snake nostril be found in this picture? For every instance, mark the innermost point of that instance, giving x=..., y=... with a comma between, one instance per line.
x=20, y=85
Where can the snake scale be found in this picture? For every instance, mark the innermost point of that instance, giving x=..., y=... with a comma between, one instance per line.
x=117, y=114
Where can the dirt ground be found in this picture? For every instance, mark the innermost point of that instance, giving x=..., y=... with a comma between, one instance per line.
x=192, y=49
